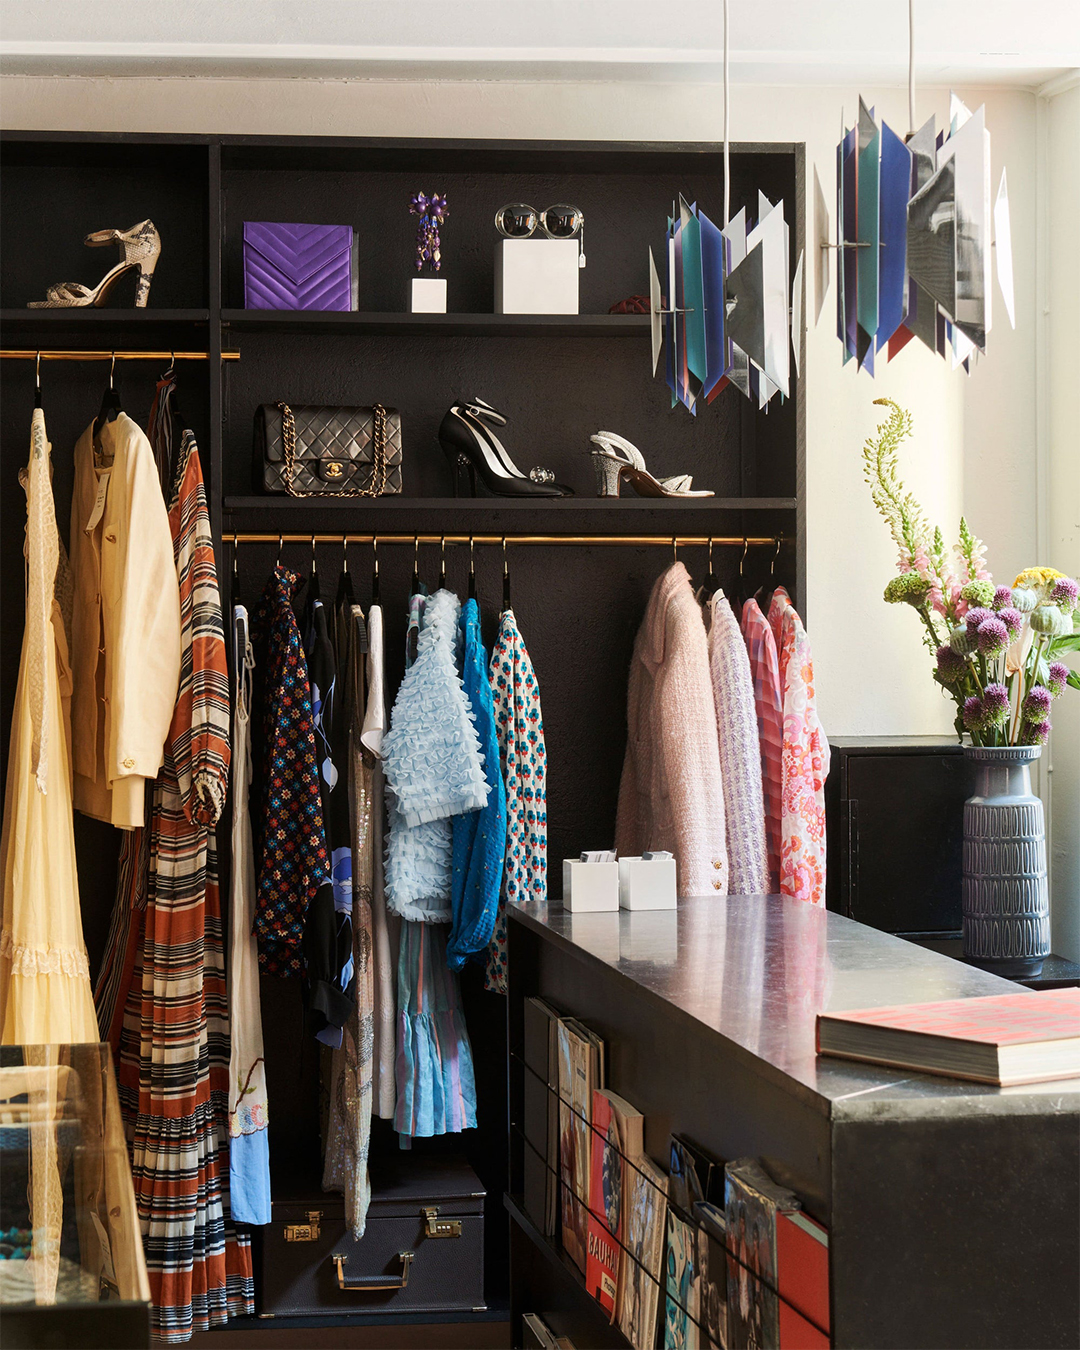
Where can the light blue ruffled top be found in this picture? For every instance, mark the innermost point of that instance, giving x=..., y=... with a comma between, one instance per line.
x=434, y=768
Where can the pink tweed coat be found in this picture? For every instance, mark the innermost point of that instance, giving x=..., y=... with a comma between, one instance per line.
x=671, y=795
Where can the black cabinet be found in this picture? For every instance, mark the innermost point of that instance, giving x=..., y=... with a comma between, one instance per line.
x=895, y=817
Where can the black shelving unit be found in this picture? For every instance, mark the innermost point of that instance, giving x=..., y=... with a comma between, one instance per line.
x=559, y=378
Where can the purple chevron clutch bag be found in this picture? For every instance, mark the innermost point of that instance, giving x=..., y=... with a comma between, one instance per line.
x=299, y=266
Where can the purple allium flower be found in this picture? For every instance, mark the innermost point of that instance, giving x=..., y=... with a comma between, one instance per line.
x=1064, y=592
x=976, y=616
x=1058, y=675
x=1037, y=704
x=993, y=637
x=1012, y=619
x=1036, y=733
x=995, y=704
x=973, y=713
x=1002, y=598
x=950, y=665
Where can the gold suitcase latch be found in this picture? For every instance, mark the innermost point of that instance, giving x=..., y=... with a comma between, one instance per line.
x=434, y=1227
x=304, y=1232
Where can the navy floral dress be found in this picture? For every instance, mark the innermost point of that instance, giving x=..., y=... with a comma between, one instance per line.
x=291, y=861
x=519, y=726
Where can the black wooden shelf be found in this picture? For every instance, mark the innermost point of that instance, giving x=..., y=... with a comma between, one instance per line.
x=454, y=325
x=260, y=507
x=89, y=318
x=557, y=1258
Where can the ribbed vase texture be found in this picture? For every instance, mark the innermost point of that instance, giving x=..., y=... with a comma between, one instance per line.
x=1006, y=905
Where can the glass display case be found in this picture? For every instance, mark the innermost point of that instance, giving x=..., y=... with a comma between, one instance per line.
x=71, y=1259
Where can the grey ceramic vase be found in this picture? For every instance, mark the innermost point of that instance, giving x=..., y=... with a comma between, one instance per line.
x=1005, y=900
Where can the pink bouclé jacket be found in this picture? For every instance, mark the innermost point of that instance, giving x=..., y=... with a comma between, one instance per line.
x=671, y=796
x=125, y=623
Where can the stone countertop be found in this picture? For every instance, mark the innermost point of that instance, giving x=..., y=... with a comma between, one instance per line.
x=757, y=970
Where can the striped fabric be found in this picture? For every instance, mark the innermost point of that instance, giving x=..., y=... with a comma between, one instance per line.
x=761, y=648
x=125, y=937
x=436, y=1088
x=174, y=1041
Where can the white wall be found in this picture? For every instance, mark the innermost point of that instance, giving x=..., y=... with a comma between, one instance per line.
x=975, y=445
x=1060, y=446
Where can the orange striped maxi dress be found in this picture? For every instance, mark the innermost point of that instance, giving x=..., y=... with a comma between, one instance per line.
x=174, y=1037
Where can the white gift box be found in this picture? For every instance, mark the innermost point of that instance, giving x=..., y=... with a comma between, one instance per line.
x=590, y=887
x=647, y=883
x=536, y=276
x=428, y=295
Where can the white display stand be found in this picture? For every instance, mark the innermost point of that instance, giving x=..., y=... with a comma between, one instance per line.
x=536, y=276
x=590, y=887
x=428, y=295
x=647, y=883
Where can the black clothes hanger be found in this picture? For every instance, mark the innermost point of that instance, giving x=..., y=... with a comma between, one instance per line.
x=415, y=583
x=375, y=569
x=711, y=584
x=743, y=592
x=313, y=578
x=472, y=570
x=507, y=603
x=442, y=563
x=110, y=402
x=234, y=589
x=37, y=381
x=345, y=595
x=765, y=593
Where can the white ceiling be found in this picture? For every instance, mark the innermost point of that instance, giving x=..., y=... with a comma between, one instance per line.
x=1019, y=42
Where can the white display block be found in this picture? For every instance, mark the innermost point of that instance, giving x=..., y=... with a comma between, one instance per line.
x=590, y=888
x=536, y=276
x=428, y=295
x=647, y=883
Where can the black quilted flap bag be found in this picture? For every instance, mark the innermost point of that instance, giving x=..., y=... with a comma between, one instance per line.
x=315, y=451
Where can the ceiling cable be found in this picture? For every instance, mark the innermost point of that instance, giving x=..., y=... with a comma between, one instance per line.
x=727, y=106
x=910, y=68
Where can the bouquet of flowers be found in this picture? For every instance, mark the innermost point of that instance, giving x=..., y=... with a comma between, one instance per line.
x=997, y=649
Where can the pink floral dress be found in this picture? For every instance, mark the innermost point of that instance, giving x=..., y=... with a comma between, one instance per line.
x=805, y=759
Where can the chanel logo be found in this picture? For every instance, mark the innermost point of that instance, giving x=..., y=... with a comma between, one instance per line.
x=334, y=470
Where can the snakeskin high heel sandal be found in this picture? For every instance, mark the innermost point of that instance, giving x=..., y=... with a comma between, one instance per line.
x=140, y=247
x=616, y=459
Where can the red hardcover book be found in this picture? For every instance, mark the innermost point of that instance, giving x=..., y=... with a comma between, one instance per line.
x=802, y=1268
x=602, y=1258
x=1004, y=1039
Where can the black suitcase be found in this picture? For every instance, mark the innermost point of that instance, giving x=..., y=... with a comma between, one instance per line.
x=422, y=1251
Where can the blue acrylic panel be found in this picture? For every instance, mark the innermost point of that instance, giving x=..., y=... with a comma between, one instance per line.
x=868, y=233
x=892, y=274
x=712, y=288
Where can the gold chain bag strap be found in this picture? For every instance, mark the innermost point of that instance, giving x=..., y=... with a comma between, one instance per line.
x=378, y=460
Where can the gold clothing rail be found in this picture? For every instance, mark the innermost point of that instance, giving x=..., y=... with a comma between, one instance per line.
x=626, y=540
x=65, y=354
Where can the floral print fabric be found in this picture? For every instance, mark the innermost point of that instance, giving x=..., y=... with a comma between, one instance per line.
x=519, y=726
x=805, y=760
x=291, y=859
x=768, y=701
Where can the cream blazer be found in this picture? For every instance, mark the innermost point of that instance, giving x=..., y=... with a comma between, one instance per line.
x=671, y=795
x=125, y=625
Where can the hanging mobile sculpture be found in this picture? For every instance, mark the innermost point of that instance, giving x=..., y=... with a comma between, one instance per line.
x=914, y=235
x=721, y=315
